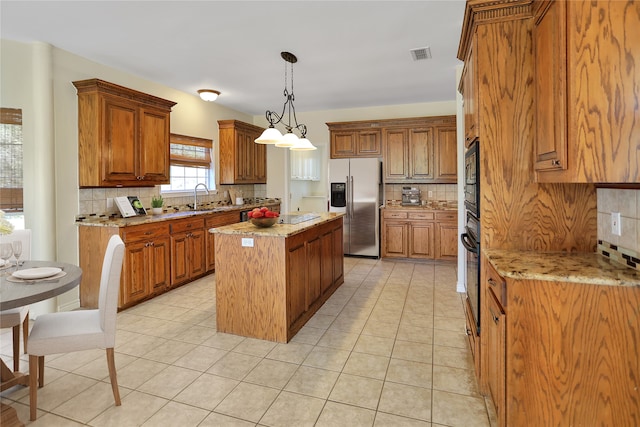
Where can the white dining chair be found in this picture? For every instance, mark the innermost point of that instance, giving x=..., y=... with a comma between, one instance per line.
x=79, y=330
x=15, y=317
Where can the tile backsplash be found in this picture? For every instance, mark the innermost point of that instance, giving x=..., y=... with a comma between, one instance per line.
x=626, y=247
x=428, y=192
x=94, y=200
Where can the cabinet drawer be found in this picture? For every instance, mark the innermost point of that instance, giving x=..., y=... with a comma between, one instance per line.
x=144, y=232
x=447, y=216
x=394, y=214
x=421, y=215
x=497, y=285
x=187, y=225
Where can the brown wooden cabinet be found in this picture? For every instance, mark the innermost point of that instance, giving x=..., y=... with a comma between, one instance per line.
x=495, y=327
x=586, y=98
x=420, y=151
x=188, y=253
x=560, y=353
x=145, y=270
x=355, y=139
x=213, y=221
x=241, y=160
x=123, y=136
x=419, y=234
x=469, y=94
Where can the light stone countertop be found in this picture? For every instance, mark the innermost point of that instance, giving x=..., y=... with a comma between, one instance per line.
x=102, y=221
x=592, y=268
x=421, y=207
x=276, y=230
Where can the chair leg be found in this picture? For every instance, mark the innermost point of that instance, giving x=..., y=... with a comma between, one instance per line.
x=25, y=332
x=33, y=388
x=16, y=347
x=112, y=375
x=40, y=371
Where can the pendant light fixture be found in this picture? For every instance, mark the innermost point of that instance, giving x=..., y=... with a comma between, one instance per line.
x=290, y=140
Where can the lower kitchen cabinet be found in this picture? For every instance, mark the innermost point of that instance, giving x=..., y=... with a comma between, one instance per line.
x=212, y=222
x=419, y=233
x=188, y=259
x=560, y=353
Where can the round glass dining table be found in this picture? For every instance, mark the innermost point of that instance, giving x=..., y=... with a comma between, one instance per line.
x=27, y=292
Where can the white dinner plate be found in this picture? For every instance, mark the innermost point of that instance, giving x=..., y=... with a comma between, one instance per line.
x=36, y=273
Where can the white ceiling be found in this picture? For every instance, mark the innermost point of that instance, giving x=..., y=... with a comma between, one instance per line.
x=350, y=53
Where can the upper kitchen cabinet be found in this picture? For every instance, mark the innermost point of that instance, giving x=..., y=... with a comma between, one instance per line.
x=242, y=161
x=355, y=139
x=469, y=96
x=420, y=150
x=123, y=136
x=587, y=90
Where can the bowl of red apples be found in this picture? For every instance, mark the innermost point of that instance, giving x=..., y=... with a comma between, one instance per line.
x=263, y=217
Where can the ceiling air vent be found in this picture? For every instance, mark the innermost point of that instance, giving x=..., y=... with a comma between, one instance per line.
x=421, y=53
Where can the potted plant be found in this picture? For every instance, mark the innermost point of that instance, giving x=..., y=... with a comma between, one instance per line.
x=156, y=204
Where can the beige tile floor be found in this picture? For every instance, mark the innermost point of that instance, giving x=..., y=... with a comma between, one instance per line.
x=387, y=349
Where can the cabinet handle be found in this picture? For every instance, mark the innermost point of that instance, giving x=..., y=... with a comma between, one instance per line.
x=468, y=332
x=151, y=244
x=492, y=282
x=495, y=318
x=148, y=233
x=555, y=162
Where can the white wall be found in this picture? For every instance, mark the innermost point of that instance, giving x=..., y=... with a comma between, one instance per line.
x=191, y=116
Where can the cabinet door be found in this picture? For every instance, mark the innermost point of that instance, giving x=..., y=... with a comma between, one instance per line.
x=179, y=258
x=197, y=258
x=297, y=287
x=244, y=157
x=153, y=149
x=421, y=240
x=447, y=246
x=396, y=161
x=446, y=149
x=338, y=253
x=314, y=270
x=120, y=148
x=496, y=352
x=326, y=262
x=135, y=275
x=421, y=154
x=369, y=143
x=395, y=239
x=343, y=144
x=159, y=265
x=260, y=156
x=550, y=50
x=470, y=96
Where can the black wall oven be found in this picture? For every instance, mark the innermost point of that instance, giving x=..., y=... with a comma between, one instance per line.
x=471, y=237
x=472, y=180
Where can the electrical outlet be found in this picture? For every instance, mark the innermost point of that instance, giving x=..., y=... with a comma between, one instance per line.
x=226, y=193
x=616, y=225
x=430, y=194
x=109, y=203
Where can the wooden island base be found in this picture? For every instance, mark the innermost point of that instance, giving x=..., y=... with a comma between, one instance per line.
x=270, y=281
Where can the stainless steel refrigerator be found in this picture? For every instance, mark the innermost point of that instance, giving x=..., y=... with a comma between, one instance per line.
x=355, y=188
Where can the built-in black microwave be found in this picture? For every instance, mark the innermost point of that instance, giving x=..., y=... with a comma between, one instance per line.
x=472, y=179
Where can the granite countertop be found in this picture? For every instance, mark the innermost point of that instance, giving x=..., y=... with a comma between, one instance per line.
x=592, y=268
x=276, y=230
x=103, y=221
x=427, y=207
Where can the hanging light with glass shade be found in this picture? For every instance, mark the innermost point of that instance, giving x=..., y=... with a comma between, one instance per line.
x=290, y=140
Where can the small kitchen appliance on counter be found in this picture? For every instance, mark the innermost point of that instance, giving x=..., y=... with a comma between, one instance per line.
x=410, y=196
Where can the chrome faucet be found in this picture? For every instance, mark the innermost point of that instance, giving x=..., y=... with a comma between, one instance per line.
x=195, y=195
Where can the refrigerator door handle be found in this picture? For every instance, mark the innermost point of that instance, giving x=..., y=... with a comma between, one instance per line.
x=348, y=194
x=352, y=199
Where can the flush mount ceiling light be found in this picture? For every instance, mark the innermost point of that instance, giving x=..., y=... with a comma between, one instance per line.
x=208, y=94
x=290, y=140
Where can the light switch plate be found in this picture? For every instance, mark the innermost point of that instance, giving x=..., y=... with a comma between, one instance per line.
x=616, y=226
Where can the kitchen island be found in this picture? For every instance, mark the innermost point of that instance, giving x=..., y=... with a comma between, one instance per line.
x=270, y=281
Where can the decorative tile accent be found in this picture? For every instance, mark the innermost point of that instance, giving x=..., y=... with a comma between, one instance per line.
x=620, y=255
